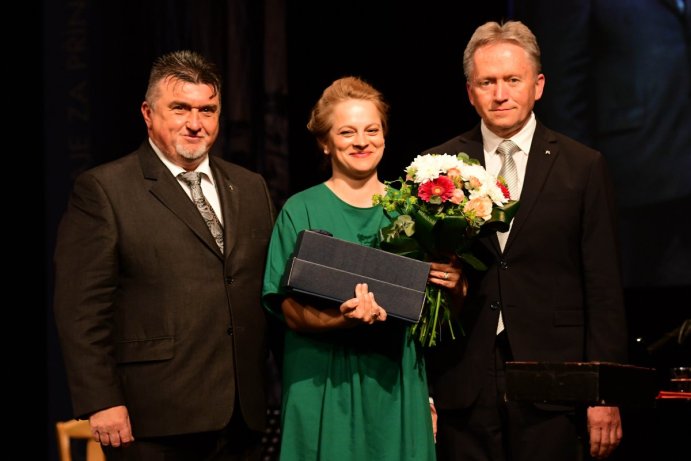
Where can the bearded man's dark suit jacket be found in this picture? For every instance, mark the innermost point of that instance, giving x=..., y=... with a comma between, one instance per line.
x=150, y=314
x=557, y=282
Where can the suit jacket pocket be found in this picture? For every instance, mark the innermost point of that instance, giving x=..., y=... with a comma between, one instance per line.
x=568, y=318
x=145, y=350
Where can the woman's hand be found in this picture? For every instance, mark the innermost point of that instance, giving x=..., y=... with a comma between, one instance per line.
x=363, y=307
x=433, y=411
x=450, y=276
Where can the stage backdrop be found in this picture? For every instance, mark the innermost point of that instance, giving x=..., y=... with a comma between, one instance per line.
x=278, y=56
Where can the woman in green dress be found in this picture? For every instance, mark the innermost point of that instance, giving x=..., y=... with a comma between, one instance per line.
x=354, y=383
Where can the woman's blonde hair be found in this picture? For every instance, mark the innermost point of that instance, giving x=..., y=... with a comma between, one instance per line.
x=340, y=90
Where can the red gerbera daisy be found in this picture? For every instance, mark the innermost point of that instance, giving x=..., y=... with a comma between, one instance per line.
x=436, y=191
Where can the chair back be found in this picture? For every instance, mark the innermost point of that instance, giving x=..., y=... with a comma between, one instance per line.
x=77, y=429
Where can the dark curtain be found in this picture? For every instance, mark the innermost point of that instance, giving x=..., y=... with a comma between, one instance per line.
x=276, y=58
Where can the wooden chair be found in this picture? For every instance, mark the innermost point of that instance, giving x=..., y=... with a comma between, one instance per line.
x=77, y=429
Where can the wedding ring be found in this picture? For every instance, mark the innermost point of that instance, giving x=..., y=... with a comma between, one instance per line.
x=446, y=275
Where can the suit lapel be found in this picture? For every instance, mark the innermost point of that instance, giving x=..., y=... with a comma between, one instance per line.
x=230, y=204
x=543, y=152
x=471, y=144
x=168, y=191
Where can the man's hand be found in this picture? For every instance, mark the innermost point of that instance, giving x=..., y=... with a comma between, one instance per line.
x=604, y=427
x=111, y=427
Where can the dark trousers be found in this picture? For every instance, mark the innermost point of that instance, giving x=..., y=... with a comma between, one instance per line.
x=493, y=429
x=236, y=442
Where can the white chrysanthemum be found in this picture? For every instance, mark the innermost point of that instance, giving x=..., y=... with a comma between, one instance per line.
x=448, y=162
x=487, y=184
x=496, y=194
x=429, y=166
x=475, y=171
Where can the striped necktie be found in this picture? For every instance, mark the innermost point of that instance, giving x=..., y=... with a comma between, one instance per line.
x=509, y=172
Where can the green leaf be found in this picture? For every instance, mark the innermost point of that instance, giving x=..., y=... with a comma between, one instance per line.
x=424, y=225
x=501, y=218
x=473, y=261
x=404, y=246
x=465, y=158
x=450, y=233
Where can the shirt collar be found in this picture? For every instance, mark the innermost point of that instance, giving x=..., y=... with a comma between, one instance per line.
x=203, y=167
x=523, y=138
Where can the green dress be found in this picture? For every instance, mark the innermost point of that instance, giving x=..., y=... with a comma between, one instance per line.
x=355, y=394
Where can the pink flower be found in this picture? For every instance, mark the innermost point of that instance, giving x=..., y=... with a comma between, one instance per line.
x=458, y=196
x=454, y=174
x=474, y=183
x=481, y=206
x=440, y=189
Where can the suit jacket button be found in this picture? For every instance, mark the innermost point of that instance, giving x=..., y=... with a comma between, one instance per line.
x=230, y=331
x=495, y=305
x=229, y=280
x=503, y=264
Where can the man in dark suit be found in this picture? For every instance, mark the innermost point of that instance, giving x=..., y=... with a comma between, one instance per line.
x=552, y=291
x=160, y=323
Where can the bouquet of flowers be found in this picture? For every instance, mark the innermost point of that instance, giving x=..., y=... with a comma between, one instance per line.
x=441, y=206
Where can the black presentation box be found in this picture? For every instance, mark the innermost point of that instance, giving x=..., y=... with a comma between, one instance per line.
x=329, y=268
x=590, y=383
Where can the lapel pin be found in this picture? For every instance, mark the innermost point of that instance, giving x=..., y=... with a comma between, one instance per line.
x=547, y=152
x=230, y=186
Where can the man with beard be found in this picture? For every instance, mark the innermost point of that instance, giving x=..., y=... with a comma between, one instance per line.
x=159, y=264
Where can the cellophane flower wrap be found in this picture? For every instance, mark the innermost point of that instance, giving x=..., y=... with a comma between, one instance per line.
x=442, y=205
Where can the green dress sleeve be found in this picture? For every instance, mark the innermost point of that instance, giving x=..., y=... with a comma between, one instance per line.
x=281, y=247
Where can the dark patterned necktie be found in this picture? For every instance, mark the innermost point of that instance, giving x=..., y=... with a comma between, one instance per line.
x=193, y=180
